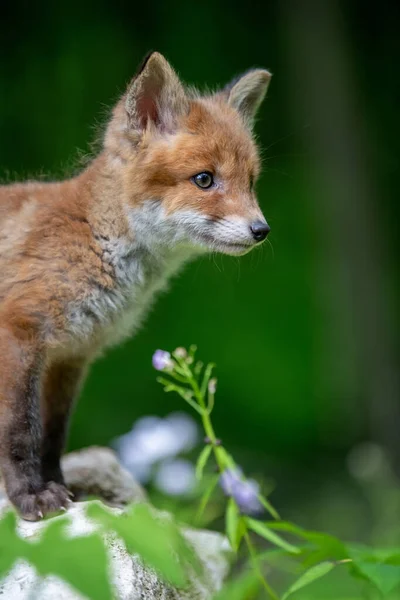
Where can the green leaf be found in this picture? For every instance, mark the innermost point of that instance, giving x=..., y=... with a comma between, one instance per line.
x=263, y=530
x=206, y=497
x=268, y=506
x=384, y=575
x=235, y=525
x=326, y=546
x=225, y=458
x=309, y=576
x=202, y=460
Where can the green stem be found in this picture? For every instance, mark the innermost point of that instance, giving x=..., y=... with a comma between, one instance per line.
x=257, y=569
x=210, y=405
x=186, y=375
x=179, y=378
x=205, y=416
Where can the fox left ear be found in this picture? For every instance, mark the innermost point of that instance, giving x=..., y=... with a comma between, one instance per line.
x=155, y=95
x=247, y=92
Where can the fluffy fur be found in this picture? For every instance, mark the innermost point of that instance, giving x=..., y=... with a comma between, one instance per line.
x=81, y=260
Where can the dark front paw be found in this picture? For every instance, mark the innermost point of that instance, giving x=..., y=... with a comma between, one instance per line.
x=53, y=498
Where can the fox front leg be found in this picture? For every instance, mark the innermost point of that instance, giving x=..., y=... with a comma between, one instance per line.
x=21, y=370
x=62, y=382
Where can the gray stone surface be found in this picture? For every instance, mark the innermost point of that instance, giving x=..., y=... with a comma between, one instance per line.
x=131, y=579
x=95, y=471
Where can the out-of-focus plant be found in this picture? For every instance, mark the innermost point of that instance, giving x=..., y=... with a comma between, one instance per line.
x=317, y=554
x=309, y=555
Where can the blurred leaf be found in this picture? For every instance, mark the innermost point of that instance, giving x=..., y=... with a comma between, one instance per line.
x=206, y=496
x=82, y=561
x=268, y=506
x=327, y=546
x=277, y=553
x=11, y=546
x=264, y=531
x=202, y=460
x=384, y=575
x=309, y=576
x=384, y=555
x=155, y=538
x=245, y=587
x=226, y=459
x=235, y=526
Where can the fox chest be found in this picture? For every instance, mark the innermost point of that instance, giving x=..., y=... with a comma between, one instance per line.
x=105, y=317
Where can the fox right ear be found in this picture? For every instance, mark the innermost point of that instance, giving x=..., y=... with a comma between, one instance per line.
x=246, y=93
x=155, y=96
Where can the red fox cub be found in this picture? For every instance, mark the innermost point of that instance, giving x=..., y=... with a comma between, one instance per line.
x=81, y=260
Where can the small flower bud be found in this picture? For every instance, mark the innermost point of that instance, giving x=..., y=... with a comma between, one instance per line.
x=198, y=367
x=180, y=352
x=212, y=385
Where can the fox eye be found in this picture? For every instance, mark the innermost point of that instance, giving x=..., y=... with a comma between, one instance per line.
x=203, y=180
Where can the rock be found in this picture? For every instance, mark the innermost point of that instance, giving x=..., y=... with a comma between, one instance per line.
x=96, y=471
x=131, y=579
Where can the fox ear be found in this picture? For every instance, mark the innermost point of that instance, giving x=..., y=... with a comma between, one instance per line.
x=155, y=95
x=246, y=93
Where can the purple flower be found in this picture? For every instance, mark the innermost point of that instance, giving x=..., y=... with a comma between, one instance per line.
x=229, y=479
x=161, y=360
x=245, y=492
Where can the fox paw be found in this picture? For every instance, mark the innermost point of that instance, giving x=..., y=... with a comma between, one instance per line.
x=52, y=499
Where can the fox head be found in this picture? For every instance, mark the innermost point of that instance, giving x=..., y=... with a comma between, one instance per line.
x=188, y=162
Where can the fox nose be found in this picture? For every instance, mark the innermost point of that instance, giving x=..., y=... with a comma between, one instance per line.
x=260, y=230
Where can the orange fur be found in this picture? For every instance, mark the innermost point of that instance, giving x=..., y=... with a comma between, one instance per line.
x=64, y=247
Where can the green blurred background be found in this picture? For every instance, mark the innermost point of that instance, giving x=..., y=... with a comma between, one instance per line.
x=304, y=331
